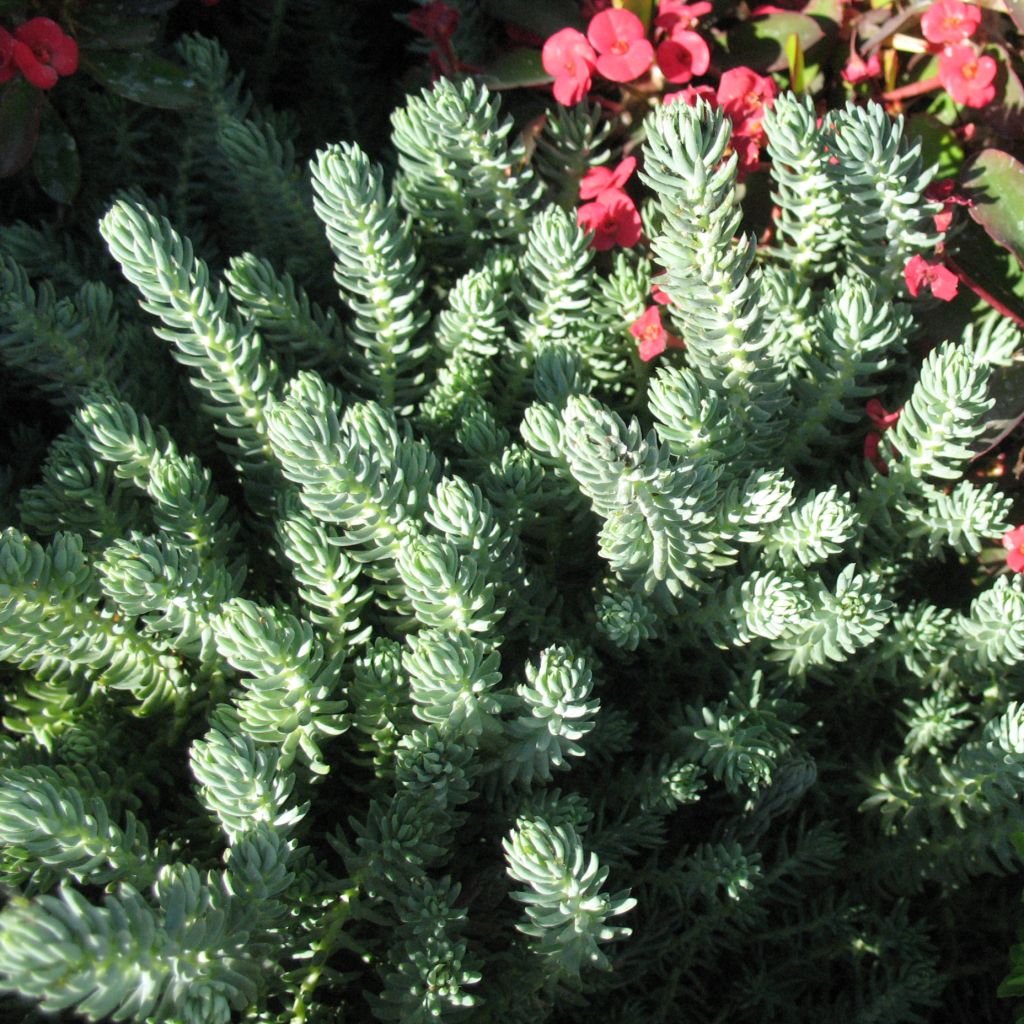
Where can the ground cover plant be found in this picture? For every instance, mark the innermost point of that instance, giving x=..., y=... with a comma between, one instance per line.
x=516, y=575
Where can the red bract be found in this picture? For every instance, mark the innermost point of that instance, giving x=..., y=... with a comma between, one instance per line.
x=591, y=7
x=945, y=191
x=651, y=334
x=674, y=14
x=437, y=21
x=691, y=94
x=599, y=180
x=569, y=58
x=624, y=51
x=879, y=415
x=858, y=70
x=683, y=56
x=1013, y=541
x=613, y=219
x=967, y=75
x=8, y=69
x=950, y=21
x=660, y=297
x=919, y=273
x=42, y=52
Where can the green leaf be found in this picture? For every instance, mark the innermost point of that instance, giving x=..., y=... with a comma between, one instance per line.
x=761, y=42
x=142, y=77
x=643, y=9
x=939, y=144
x=541, y=17
x=516, y=68
x=20, y=106
x=830, y=10
x=995, y=181
x=55, y=164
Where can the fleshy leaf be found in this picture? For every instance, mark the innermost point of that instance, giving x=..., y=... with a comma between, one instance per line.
x=142, y=77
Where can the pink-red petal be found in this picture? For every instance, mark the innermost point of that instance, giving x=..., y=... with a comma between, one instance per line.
x=613, y=29
x=950, y=21
x=42, y=76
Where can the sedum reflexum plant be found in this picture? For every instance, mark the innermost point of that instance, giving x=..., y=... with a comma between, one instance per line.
x=434, y=660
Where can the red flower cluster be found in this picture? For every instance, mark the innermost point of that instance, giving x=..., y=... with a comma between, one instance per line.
x=40, y=51
x=652, y=336
x=919, y=273
x=882, y=419
x=1013, y=541
x=616, y=47
x=744, y=95
x=965, y=73
x=612, y=216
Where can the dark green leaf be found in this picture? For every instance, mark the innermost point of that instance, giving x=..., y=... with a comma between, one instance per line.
x=142, y=77
x=20, y=105
x=1006, y=113
x=761, y=42
x=1006, y=386
x=939, y=144
x=995, y=272
x=99, y=31
x=516, y=68
x=542, y=17
x=55, y=164
x=995, y=181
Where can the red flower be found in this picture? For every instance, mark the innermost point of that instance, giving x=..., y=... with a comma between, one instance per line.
x=569, y=58
x=674, y=14
x=613, y=218
x=683, y=56
x=745, y=95
x=599, y=180
x=591, y=7
x=858, y=70
x=941, y=280
x=437, y=21
x=1013, y=541
x=618, y=36
x=42, y=52
x=8, y=69
x=879, y=415
x=950, y=21
x=967, y=75
x=653, y=337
